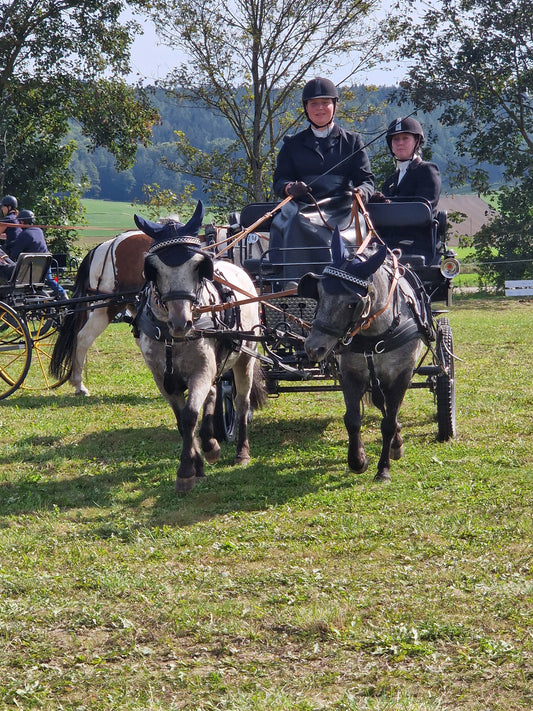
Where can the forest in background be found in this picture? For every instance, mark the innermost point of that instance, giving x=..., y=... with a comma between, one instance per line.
x=207, y=131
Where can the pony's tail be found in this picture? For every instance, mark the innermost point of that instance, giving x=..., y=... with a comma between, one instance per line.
x=258, y=393
x=71, y=324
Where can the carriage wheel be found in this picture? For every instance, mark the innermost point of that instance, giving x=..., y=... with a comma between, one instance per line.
x=15, y=350
x=44, y=332
x=225, y=418
x=445, y=385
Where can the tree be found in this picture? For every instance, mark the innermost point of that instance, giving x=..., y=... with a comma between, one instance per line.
x=474, y=59
x=247, y=61
x=63, y=60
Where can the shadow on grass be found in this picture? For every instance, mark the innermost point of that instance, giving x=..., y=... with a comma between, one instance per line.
x=30, y=401
x=135, y=469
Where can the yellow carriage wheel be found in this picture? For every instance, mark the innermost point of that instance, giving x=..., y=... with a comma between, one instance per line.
x=15, y=350
x=43, y=332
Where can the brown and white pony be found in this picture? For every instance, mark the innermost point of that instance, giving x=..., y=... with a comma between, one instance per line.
x=112, y=268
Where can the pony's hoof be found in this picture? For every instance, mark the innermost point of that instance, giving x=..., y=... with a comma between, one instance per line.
x=383, y=477
x=212, y=455
x=242, y=460
x=185, y=484
x=82, y=392
x=358, y=467
x=396, y=452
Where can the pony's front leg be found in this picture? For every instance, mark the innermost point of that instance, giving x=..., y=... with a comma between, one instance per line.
x=390, y=429
x=357, y=459
x=210, y=444
x=353, y=389
x=191, y=466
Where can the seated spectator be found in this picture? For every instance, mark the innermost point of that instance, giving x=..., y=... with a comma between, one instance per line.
x=8, y=208
x=31, y=239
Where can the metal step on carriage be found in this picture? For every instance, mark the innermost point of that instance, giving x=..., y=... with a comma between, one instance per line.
x=286, y=316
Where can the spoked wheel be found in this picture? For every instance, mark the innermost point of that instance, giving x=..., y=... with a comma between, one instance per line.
x=44, y=332
x=15, y=350
x=445, y=385
x=225, y=418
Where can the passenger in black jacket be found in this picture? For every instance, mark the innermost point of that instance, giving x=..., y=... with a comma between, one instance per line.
x=31, y=240
x=322, y=164
x=414, y=177
x=414, y=180
x=9, y=212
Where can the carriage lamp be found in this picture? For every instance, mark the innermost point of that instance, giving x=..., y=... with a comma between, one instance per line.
x=450, y=267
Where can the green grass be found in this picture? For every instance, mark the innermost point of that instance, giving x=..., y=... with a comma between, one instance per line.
x=292, y=584
x=107, y=219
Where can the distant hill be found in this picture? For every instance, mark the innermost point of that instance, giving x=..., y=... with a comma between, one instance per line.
x=207, y=130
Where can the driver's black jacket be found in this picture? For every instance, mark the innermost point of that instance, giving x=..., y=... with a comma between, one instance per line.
x=305, y=157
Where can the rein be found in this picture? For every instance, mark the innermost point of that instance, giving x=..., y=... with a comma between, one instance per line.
x=244, y=233
x=367, y=322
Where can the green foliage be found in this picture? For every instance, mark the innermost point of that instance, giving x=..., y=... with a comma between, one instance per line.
x=53, y=57
x=161, y=202
x=466, y=59
x=248, y=66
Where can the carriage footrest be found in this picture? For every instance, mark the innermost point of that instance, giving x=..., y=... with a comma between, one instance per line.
x=288, y=373
x=428, y=370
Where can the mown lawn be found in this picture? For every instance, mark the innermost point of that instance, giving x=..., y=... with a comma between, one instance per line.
x=292, y=584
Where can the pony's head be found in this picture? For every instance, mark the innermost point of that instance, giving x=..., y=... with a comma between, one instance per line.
x=345, y=294
x=175, y=243
x=170, y=228
x=175, y=265
x=346, y=273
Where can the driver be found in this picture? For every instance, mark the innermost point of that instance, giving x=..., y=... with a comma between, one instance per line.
x=307, y=155
x=320, y=167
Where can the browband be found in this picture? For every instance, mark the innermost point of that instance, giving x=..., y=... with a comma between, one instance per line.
x=345, y=276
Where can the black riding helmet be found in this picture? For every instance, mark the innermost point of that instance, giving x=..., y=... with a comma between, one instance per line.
x=27, y=217
x=10, y=201
x=319, y=88
x=405, y=125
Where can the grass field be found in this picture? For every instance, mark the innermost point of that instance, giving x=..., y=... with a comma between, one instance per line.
x=106, y=219
x=292, y=584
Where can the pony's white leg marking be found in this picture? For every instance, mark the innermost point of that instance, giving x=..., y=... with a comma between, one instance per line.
x=97, y=322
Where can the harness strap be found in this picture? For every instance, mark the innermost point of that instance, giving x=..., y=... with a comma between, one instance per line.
x=394, y=337
x=394, y=283
x=371, y=231
x=378, y=397
x=109, y=251
x=244, y=233
x=168, y=380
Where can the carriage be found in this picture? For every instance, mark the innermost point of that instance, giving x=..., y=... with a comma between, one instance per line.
x=31, y=318
x=287, y=316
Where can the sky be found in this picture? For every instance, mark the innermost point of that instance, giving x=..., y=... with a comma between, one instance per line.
x=152, y=61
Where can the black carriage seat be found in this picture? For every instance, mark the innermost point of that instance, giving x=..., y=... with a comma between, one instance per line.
x=29, y=271
x=248, y=216
x=411, y=227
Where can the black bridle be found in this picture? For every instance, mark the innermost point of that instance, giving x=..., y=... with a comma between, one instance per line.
x=361, y=310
